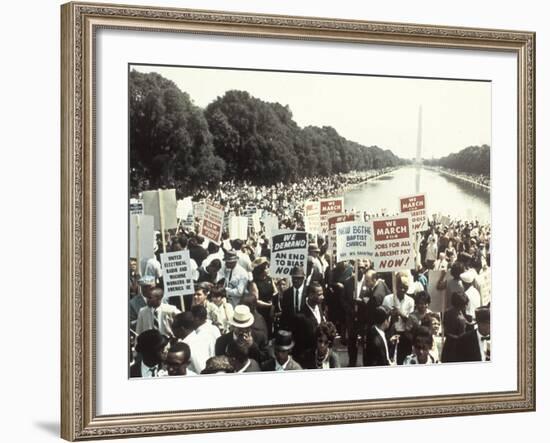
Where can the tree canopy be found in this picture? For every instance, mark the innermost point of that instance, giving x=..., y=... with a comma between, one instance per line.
x=177, y=144
x=170, y=142
x=473, y=159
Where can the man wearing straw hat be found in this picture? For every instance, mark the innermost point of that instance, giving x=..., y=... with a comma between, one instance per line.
x=240, y=333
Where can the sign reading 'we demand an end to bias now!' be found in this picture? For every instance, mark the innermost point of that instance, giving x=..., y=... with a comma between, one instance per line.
x=289, y=249
x=393, y=244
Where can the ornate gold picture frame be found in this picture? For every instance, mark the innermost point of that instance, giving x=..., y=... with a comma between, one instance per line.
x=80, y=244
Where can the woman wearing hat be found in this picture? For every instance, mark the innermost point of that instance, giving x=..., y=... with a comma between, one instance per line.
x=266, y=291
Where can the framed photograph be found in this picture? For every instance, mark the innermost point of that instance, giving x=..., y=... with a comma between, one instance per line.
x=277, y=221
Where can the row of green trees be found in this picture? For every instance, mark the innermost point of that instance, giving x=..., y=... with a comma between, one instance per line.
x=473, y=159
x=175, y=143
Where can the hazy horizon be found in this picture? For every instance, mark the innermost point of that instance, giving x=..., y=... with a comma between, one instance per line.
x=381, y=111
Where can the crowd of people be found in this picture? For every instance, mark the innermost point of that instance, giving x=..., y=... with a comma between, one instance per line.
x=327, y=315
x=479, y=179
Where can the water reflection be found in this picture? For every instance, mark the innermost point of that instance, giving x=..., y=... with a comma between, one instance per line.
x=444, y=194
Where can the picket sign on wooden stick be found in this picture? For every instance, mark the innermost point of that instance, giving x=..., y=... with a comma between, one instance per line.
x=356, y=266
x=138, y=249
x=161, y=217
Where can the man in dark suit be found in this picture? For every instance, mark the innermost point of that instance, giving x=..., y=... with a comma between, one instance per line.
x=377, y=290
x=307, y=320
x=293, y=300
x=196, y=251
x=138, y=301
x=355, y=291
x=475, y=345
x=376, y=352
x=282, y=361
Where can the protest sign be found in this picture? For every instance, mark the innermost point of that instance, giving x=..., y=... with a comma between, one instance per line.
x=136, y=206
x=162, y=206
x=332, y=221
x=327, y=208
x=288, y=249
x=484, y=280
x=142, y=239
x=437, y=296
x=415, y=205
x=177, y=274
x=184, y=207
x=271, y=223
x=255, y=222
x=445, y=220
x=249, y=210
x=353, y=241
x=212, y=222
x=393, y=245
x=198, y=210
x=312, y=221
x=189, y=222
x=238, y=228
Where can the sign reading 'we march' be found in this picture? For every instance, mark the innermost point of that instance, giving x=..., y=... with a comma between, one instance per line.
x=393, y=245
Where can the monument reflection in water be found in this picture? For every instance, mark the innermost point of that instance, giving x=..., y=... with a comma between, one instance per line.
x=444, y=194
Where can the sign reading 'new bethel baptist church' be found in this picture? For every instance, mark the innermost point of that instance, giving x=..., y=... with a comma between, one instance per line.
x=393, y=245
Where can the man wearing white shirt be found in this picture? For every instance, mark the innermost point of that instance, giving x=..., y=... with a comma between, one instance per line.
x=431, y=252
x=441, y=264
x=178, y=359
x=202, y=340
x=154, y=269
x=400, y=306
x=244, y=259
x=235, y=278
x=313, y=252
x=474, y=298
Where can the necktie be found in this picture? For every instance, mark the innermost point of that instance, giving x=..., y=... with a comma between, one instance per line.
x=153, y=371
x=487, y=345
x=297, y=302
x=156, y=319
x=229, y=279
